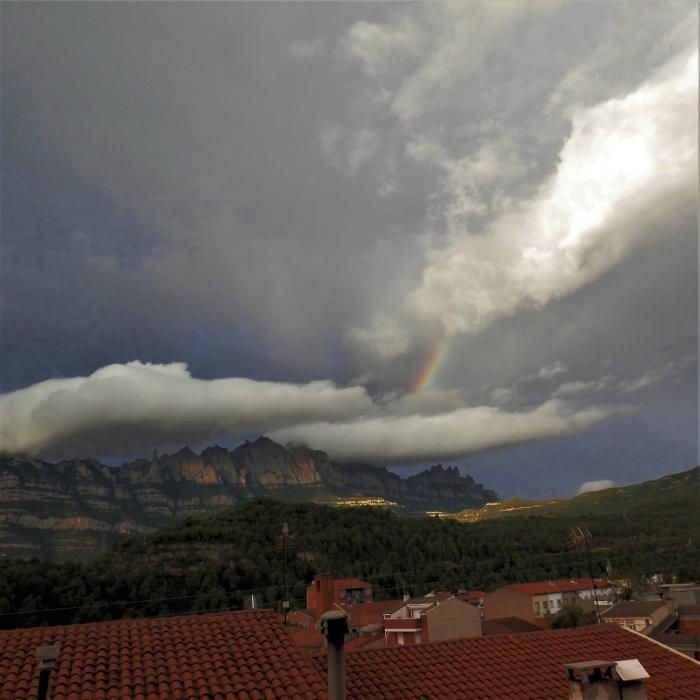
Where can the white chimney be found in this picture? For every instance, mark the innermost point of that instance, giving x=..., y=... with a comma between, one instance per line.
x=607, y=680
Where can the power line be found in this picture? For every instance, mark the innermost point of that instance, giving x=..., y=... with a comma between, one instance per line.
x=416, y=584
x=462, y=572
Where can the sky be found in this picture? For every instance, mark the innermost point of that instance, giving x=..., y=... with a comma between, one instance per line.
x=401, y=233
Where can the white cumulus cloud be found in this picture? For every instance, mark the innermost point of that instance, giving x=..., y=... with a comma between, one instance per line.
x=587, y=486
x=626, y=159
x=452, y=435
x=126, y=408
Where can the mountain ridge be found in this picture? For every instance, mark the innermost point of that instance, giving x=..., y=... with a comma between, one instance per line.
x=665, y=490
x=75, y=507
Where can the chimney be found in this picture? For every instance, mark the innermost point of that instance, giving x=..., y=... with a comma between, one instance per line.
x=321, y=594
x=47, y=656
x=607, y=680
x=335, y=626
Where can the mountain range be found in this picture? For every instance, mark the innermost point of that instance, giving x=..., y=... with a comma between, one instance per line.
x=77, y=507
x=210, y=561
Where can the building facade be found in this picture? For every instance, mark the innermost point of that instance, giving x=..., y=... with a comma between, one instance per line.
x=432, y=618
x=537, y=601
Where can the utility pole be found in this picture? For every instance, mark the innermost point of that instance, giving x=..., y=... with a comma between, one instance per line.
x=581, y=537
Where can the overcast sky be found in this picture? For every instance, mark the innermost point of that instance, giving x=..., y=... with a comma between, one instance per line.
x=400, y=233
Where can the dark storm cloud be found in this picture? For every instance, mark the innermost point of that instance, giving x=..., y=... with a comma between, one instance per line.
x=293, y=191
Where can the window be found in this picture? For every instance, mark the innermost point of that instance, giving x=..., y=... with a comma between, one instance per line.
x=559, y=603
x=546, y=605
x=537, y=606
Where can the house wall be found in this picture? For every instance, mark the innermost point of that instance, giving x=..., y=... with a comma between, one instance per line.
x=602, y=591
x=405, y=632
x=353, y=595
x=660, y=614
x=639, y=624
x=689, y=626
x=452, y=619
x=319, y=594
x=507, y=602
x=400, y=639
x=555, y=603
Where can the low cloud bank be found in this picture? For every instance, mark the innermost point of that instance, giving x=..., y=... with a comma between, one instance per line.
x=452, y=435
x=129, y=408
x=132, y=408
x=587, y=486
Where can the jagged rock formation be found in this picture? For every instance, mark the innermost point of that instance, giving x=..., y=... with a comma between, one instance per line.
x=43, y=506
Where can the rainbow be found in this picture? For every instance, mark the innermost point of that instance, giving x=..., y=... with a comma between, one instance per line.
x=430, y=367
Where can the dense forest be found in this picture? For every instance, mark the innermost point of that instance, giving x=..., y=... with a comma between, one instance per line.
x=209, y=563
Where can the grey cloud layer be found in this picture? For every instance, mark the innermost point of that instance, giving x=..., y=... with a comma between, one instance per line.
x=122, y=409
x=454, y=435
x=129, y=408
x=294, y=191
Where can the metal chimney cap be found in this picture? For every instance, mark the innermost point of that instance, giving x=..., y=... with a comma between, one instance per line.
x=48, y=652
x=630, y=670
x=334, y=615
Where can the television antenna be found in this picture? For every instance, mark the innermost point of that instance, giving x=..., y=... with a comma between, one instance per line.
x=581, y=538
x=285, y=541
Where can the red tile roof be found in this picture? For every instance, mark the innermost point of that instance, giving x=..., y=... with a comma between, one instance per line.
x=300, y=618
x=516, y=667
x=309, y=638
x=350, y=583
x=507, y=625
x=473, y=594
x=242, y=655
x=366, y=641
x=561, y=586
x=361, y=614
x=248, y=656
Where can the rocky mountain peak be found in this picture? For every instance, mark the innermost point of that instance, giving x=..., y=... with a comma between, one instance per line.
x=148, y=493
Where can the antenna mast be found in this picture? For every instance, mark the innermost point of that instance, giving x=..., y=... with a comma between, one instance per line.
x=580, y=537
x=284, y=542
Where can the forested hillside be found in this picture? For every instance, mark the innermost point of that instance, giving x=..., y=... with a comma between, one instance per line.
x=672, y=492
x=204, y=563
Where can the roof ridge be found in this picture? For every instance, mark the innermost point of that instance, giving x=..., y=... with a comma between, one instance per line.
x=661, y=644
x=141, y=620
x=516, y=636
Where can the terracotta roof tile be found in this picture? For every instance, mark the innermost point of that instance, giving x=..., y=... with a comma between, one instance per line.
x=361, y=614
x=308, y=638
x=217, y=655
x=234, y=656
x=529, y=665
